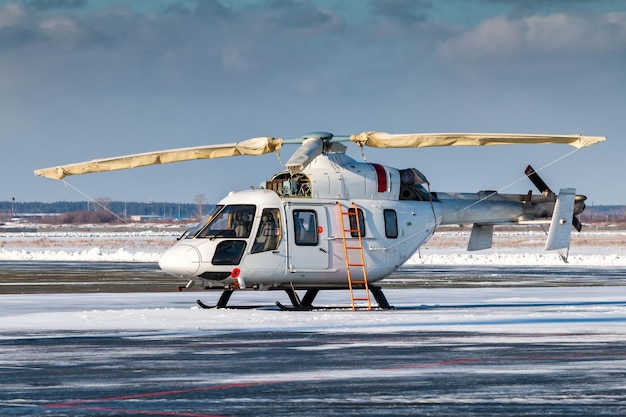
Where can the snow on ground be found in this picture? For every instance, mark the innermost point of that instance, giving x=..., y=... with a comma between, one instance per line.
x=590, y=248
x=604, y=247
x=601, y=311
x=86, y=246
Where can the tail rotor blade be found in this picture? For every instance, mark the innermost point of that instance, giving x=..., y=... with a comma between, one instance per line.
x=536, y=179
x=577, y=224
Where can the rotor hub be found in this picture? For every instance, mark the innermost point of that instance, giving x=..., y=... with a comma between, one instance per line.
x=325, y=136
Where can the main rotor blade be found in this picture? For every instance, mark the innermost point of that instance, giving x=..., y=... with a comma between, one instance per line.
x=420, y=140
x=254, y=146
x=263, y=145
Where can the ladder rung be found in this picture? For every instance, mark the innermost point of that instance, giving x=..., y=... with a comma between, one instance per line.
x=355, y=264
x=354, y=247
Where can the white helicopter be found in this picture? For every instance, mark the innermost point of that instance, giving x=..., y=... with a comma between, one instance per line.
x=330, y=222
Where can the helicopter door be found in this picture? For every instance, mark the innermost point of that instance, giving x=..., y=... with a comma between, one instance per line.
x=309, y=247
x=267, y=254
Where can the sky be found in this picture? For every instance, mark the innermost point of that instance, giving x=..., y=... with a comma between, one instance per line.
x=88, y=79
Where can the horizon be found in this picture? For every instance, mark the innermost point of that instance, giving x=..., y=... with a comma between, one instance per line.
x=3, y=202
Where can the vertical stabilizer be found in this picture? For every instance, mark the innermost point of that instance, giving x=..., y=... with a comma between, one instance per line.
x=561, y=225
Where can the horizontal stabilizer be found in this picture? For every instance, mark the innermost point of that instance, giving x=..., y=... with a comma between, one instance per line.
x=481, y=237
x=561, y=226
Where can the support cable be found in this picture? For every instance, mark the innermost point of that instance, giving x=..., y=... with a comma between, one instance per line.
x=67, y=184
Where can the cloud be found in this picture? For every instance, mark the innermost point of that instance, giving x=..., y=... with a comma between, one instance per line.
x=303, y=17
x=208, y=48
x=61, y=30
x=47, y=5
x=250, y=38
x=200, y=48
x=403, y=11
x=11, y=15
x=554, y=36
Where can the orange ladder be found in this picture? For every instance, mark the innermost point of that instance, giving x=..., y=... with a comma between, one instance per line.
x=354, y=220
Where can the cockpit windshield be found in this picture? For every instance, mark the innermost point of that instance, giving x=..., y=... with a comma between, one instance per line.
x=198, y=227
x=226, y=221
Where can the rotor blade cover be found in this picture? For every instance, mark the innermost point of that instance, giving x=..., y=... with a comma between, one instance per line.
x=311, y=148
x=422, y=140
x=254, y=146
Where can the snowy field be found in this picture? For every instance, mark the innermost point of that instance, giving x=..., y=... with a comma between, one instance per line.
x=578, y=310
x=593, y=247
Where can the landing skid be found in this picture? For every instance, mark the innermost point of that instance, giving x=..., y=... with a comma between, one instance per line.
x=221, y=303
x=298, y=304
x=283, y=307
x=215, y=306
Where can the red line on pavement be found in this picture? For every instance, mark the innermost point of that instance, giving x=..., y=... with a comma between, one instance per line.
x=81, y=404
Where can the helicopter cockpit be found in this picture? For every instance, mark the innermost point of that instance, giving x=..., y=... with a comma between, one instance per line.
x=232, y=226
x=225, y=221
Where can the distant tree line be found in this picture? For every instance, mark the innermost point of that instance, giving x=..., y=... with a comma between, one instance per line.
x=102, y=206
x=103, y=210
x=604, y=214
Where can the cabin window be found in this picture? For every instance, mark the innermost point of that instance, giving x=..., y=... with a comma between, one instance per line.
x=353, y=223
x=231, y=221
x=391, y=223
x=305, y=227
x=269, y=234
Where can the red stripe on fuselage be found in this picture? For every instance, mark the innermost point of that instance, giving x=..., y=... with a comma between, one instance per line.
x=382, y=177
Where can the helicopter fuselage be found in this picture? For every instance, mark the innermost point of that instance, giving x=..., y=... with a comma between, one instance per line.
x=291, y=231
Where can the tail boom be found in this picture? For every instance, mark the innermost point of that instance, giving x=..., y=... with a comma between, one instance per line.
x=488, y=208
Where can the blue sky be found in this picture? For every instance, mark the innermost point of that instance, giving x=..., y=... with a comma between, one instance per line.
x=87, y=79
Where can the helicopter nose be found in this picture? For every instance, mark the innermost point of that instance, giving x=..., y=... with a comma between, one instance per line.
x=180, y=260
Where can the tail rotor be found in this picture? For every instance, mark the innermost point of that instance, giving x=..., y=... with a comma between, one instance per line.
x=545, y=190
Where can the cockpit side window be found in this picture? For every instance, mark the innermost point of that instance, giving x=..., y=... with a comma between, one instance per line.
x=232, y=221
x=269, y=234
